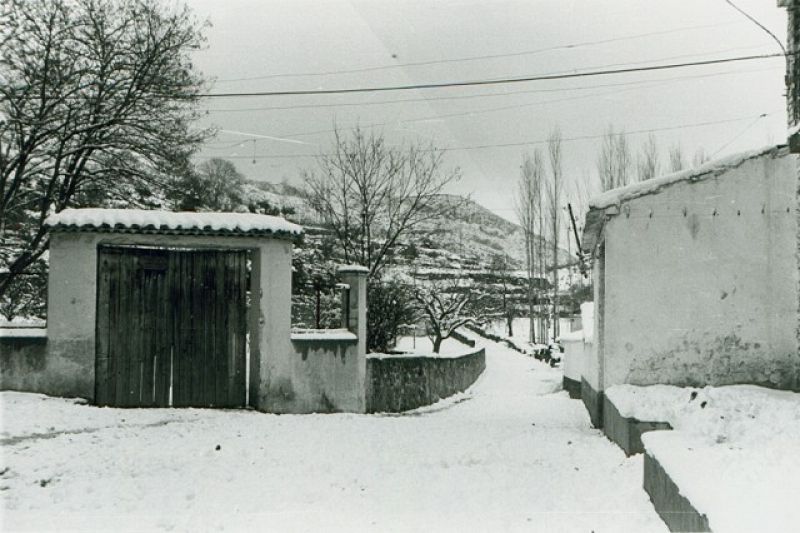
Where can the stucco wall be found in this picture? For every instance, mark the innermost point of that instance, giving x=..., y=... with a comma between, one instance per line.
x=326, y=376
x=24, y=363
x=310, y=375
x=700, y=280
x=396, y=384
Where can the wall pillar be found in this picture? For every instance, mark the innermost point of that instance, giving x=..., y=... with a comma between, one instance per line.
x=356, y=278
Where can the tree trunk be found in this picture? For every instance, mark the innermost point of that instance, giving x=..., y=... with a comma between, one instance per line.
x=437, y=343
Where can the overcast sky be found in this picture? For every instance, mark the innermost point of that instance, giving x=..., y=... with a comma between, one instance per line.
x=258, y=45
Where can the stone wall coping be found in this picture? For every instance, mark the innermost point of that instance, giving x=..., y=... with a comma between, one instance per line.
x=424, y=356
x=323, y=335
x=23, y=333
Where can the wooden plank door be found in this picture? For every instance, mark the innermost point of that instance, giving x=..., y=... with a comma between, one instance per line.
x=209, y=321
x=171, y=327
x=133, y=350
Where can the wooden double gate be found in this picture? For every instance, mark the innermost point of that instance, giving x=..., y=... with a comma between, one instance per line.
x=171, y=327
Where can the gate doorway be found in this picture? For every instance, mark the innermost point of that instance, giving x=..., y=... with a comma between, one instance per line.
x=171, y=327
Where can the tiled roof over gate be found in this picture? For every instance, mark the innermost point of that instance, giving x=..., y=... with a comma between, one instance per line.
x=171, y=223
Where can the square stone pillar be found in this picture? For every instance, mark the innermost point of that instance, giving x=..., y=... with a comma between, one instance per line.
x=356, y=277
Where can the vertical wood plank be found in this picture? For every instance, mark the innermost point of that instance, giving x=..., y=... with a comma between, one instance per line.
x=241, y=357
x=165, y=340
x=113, y=340
x=219, y=319
x=121, y=381
x=114, y=337
x=135, y=327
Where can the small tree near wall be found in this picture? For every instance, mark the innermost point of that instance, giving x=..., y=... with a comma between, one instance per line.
x=444, y=307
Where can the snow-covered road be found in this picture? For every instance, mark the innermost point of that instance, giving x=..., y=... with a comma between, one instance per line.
x=514, y=453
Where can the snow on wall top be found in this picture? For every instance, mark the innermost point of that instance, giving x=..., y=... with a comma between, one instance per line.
x=133, y=220
x=709, y=169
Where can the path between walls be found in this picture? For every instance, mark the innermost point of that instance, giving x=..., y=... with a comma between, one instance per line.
x=513, y=453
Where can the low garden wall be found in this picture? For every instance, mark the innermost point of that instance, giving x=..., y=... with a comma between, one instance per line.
x=673, y=508
x=23, y=359
x=400, y=383
x=327, y=375
x=626, y=432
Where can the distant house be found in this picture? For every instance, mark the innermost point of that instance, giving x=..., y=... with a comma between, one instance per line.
x=696, y=278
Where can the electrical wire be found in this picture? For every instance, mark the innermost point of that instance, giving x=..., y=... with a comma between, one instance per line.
x=501, y=81
x=757, y=23
x=529, y=143
x=736, y=137
x=475, y=58
x=487, y=95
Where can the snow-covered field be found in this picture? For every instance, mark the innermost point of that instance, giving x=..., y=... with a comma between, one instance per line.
x=511, y=454
x=734, y=453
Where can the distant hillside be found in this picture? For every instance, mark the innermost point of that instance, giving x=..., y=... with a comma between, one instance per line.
x=466, y=238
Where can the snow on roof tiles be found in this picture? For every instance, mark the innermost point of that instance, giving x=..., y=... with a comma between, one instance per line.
x=709, y=169
x=136, y=220
x=600, y=204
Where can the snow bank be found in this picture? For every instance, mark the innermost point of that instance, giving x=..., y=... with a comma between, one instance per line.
x=642, y=188
x=23, y=332
x=734, y=452
x=353, y=269
x=323, y=335
x=166, y=220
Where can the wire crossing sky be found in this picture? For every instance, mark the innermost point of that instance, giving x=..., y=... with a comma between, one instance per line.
x=697, y=74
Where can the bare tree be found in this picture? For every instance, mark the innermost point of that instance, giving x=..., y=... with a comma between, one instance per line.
x=501, y=271
x=614, y=160
x=370, y=193
x=700, y=157
x=648, y=163
x=676, y=159
x=444, y=306
x=528, y=205
x=554, y=193
x=93, y=94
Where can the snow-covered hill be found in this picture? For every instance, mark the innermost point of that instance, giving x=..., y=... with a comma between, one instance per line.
x=465, y=237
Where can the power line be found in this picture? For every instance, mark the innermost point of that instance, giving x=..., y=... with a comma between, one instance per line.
x=485, y=95
x=475, y=58
x=736, y=137
x=485, y=110
x=532, y=142
x=501, y=81
x=440, y=116
x=757, y=23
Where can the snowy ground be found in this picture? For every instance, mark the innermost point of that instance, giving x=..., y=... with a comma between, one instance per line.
x=511, y=454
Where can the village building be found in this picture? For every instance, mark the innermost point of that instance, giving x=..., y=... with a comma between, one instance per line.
x=696, y=278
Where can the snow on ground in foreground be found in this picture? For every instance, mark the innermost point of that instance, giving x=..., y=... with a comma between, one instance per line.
x=735, y=451
x=513, y=453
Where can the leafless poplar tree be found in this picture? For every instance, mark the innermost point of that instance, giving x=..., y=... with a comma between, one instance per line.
x=614, y=160
x=528, y=206
x=554, y=196
x=676, y=159
x=648, y=163
x=93, y=94
x=371, y=194
x=700, y=157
